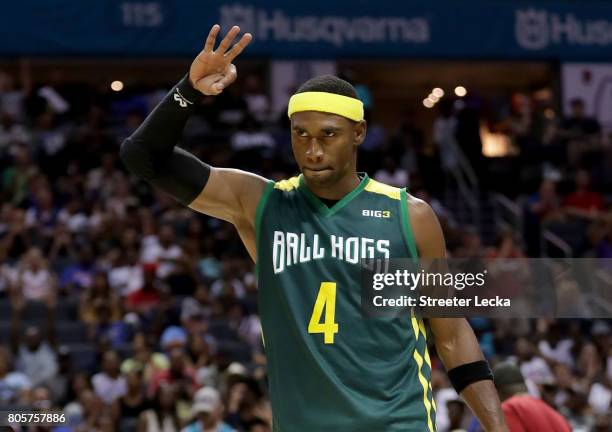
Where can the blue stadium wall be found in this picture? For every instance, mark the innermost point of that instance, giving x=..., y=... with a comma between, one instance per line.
x=546, y=30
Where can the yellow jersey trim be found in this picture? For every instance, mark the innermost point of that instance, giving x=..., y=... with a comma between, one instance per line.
x=383, y=189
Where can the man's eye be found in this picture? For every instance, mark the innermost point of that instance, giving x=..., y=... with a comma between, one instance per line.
x=301, y=133
x=330, y=133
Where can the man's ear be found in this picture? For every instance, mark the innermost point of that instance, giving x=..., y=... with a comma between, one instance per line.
x=360, y=132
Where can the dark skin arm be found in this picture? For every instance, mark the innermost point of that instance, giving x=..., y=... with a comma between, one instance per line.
x=455, y=341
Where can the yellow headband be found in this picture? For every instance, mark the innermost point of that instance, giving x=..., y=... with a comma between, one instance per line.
x=345, y=106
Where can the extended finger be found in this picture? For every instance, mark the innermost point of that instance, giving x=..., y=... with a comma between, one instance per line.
x=212, y=36
x=228, y=39
x=241, y=45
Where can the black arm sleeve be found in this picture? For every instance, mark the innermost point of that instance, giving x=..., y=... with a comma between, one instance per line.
x=151, y=152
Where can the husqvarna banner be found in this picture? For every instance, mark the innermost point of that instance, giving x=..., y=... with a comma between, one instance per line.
x=568, y=30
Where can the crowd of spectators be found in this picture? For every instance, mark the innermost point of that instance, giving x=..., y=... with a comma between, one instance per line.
x=166, y=297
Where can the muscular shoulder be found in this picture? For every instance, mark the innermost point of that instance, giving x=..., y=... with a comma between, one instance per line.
x=418, y=209
x=426, y=228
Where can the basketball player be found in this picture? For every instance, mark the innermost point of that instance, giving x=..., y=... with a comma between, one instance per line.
x=329, y=369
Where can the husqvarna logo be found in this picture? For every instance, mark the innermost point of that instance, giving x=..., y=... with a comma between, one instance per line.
x=531, y=29
x=242, y=16
x=537, y=29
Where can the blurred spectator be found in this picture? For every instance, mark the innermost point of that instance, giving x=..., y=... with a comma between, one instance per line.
x=208, y=409
x=162, y=251
x=162, y=416
x=554, y=347
x=145, y=300
x=581, y=135
x=11, y=133
x=11, y=97
x=456, y=410
x=524, y=413
x=247, y=326
x=180, y=374
x=196, y=310
x=16, y=177
x=14, y=241
x=391, y=174
x=34, y=278
x=584, y=202
x=229, y=285
x=79, y=275
x=109, y=384
x=35, y=356
x=99, y=304
x=578, y=124
x=541, y=208
x=444, y=137
x=14, y=385
x=43, y=214
x=201, y=351
x=257, y=100
x=126, y=275
x=534, y=368
x=244, y=404
x=372, y=148
x=134, y=401
x=100, y=180
x=143, y=358
x=576, y=410
x=60, y=383
x=73, y=216
x=546, y=203
x=173, y=337
x=250, y=143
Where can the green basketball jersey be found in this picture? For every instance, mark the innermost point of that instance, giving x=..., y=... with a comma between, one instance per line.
x=329, y=368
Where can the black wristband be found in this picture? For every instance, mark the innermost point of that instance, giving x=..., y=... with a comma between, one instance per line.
x=466, y=374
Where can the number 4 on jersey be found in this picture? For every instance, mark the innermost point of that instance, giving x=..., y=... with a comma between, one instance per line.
x=326, y=299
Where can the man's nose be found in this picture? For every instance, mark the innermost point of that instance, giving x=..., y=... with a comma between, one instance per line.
x=314, y=151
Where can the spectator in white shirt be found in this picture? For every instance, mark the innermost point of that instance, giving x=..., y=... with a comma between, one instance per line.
x=109, y=384
x=35, y=356
x=162, y=250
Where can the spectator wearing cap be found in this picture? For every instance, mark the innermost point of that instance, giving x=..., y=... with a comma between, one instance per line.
x=208, y=409
x=173, y=337
x=524, y=413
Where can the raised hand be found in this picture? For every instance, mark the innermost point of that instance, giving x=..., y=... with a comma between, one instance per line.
x=212, y=70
